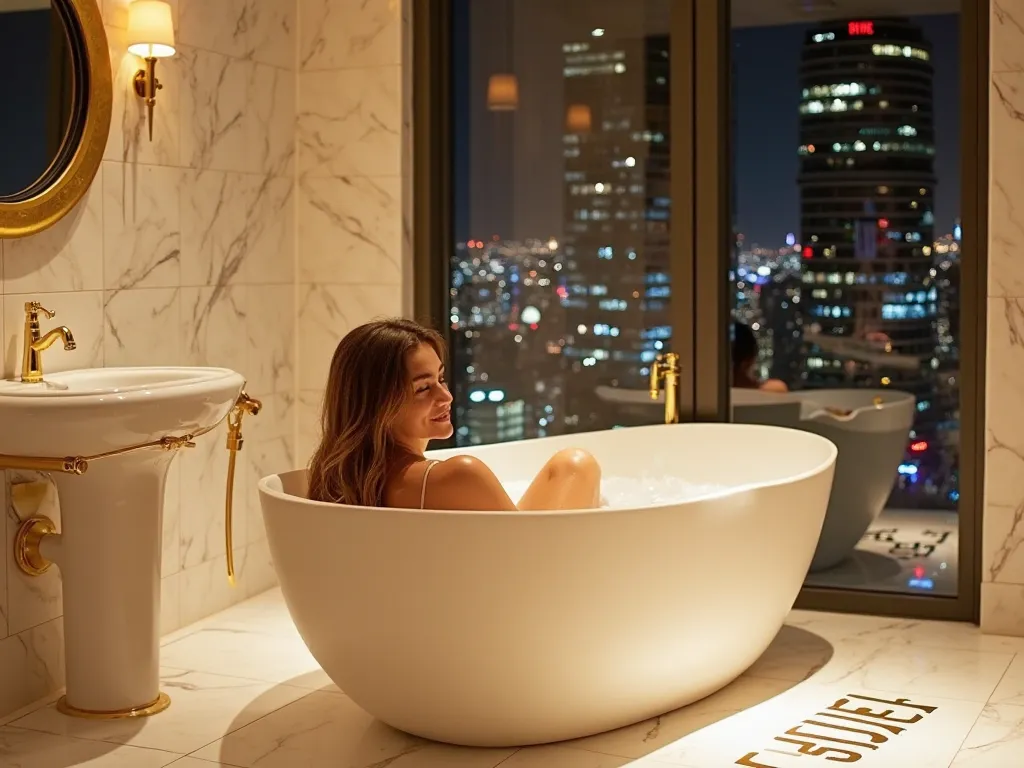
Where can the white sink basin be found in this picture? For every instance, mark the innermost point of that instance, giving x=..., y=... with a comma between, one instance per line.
x=108, y=548
x=95, y=410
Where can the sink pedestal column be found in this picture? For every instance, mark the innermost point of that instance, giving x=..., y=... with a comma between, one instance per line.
x=111, y=521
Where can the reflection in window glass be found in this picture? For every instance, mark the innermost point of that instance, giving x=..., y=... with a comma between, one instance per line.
x=846, y=269
x=559, y=283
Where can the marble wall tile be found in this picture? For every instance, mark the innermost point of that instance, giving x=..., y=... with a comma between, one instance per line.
x=205, y=589
x=261, y=30
x=1006, y=272
x=310, y=403
x=214, y=110
x=128, y=140
x=351, y=230
x=1007, y=35
x=221, y=26
x=272, y=32
x=214, y=219
x=328, y=312
x=270, y=121
x=237, y=115
x=258, y=575
x=140, y=327
x=214, y=326
x=270, y=331
x=80, y=311
x=31, y=600
x=170, y=603
x=141, y=226
x=1001, y=609
x=66, y=257
x=341, y=34
x=349, y=123
x=32, y=663
x=270, y=206
x=269, y=448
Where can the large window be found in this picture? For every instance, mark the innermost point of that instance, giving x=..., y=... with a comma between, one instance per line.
x=560, y=280
x=845, y=273
x=789, y=195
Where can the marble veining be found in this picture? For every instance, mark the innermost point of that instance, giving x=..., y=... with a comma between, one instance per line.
x=349, y=122
x=1007, y=21
x=351, y=228
x=142, y=226
x=342, y=34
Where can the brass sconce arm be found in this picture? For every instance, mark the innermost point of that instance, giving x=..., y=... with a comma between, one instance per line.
x=146, y=86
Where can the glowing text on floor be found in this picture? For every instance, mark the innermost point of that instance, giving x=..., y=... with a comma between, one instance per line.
x=837, y=725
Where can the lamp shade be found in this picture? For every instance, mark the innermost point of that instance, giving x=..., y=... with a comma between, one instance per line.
x=577, y=118
x=150, y=29
x=503, y=93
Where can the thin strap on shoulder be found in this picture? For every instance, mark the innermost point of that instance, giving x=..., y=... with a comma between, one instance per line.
x=423, y=489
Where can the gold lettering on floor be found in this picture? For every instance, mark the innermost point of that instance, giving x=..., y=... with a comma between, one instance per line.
x=859, y=728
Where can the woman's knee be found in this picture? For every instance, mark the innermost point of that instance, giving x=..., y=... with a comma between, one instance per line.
x=575, y=461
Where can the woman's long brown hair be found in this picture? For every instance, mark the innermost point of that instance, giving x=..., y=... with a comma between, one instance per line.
x=366, y=387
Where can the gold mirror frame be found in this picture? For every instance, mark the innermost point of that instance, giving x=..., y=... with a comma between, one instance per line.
x=52, y=203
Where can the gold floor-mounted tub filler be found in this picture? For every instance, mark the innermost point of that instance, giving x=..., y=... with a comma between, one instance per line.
x=666, y=368
x=34, y=530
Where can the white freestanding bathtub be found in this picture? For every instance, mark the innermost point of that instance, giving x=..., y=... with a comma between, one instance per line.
x=510, y=629
x=871, y=439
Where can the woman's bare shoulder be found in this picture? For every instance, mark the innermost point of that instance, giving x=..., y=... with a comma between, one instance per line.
x=466, y=482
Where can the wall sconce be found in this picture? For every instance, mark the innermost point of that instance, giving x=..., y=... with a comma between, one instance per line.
x=503, y=93
x=150, y=36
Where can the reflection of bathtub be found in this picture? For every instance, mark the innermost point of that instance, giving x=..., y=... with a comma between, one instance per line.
x=871, y=442
x=506, y=629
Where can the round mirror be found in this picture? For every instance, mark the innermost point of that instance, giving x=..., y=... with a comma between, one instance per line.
x=37, y=98
x=56, y=94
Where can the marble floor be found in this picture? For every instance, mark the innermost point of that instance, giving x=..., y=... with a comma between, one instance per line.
x=246, y=693
x=906, y=551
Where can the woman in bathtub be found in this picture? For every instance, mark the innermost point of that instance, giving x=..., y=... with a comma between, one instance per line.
x=386, y=399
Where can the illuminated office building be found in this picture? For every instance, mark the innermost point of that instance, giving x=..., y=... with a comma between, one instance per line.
x=867, y=148
x=616, y=234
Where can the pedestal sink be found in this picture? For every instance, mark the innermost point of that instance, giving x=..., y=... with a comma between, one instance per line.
x=108, y=550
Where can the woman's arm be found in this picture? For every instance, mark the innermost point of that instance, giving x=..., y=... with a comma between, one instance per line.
x=466, y=483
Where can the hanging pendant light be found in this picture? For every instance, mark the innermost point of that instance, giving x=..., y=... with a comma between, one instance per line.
x=503, y=93
x=577, y=118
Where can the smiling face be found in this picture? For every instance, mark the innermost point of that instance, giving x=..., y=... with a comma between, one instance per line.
x=426, y=413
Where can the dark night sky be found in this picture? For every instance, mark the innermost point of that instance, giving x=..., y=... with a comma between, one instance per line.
x=766, y=62
x=767, y=98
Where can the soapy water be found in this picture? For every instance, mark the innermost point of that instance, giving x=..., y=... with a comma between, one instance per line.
x=625, y=492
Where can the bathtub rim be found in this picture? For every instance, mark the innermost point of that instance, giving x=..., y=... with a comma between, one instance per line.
x=263, y=486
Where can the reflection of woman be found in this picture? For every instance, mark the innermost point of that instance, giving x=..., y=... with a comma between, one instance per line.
x=744, y=356
x=386, y=400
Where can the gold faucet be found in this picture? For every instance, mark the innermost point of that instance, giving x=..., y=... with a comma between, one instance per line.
x=32, y=358
x=667, y=367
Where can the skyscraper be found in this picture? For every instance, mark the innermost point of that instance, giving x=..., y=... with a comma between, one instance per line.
x=616, y=235
x=867, y=183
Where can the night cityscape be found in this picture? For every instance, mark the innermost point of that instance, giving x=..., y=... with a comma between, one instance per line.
x=852, y=280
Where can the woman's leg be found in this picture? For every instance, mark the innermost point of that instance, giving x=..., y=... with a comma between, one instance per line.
x=570, y=480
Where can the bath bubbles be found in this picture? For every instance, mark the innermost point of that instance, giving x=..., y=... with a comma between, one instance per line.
x=645, y=491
